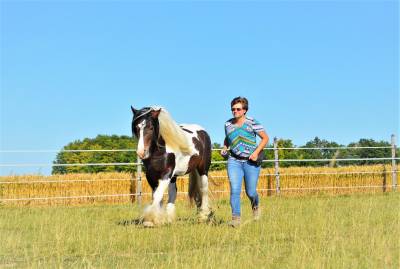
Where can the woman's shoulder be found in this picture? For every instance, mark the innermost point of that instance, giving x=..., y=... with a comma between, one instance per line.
x=251, y=120
x=229, y=122
x=255, y=124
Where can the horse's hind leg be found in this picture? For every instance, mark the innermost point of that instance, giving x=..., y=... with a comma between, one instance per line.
x=205, y=211
x=194, y=188
x=153, y=214
x=172, y=192
x=198, y=191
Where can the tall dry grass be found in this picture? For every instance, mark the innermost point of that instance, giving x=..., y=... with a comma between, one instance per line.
x=102, y=187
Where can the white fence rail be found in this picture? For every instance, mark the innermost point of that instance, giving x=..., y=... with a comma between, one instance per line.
x=138, y=163
x=148, y=194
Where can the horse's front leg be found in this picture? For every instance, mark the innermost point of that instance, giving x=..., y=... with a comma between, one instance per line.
x=172, y=192
x=153, y=214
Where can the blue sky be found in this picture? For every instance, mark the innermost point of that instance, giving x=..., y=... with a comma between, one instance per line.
x=70, y=70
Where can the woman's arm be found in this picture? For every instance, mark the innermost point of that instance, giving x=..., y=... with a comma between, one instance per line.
x=224, y=150
x=264, y=141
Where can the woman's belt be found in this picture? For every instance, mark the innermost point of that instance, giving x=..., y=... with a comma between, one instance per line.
x=238, y=157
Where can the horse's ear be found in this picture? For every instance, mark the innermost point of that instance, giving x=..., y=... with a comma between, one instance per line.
x=134, y=110
x=155, y=113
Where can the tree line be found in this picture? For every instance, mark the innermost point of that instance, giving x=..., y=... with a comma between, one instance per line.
x=102, y=142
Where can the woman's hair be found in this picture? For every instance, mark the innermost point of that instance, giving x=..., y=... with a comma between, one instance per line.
x=241, y=100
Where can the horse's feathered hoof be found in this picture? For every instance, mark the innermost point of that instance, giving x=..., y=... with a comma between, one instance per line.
x=206, y=217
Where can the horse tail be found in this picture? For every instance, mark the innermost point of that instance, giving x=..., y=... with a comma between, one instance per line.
x=194, y=187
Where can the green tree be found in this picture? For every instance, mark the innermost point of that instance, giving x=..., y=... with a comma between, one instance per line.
x=101, y=142
x=124, y=142
x=366, y=152
x=287, y=154
x=324, y=152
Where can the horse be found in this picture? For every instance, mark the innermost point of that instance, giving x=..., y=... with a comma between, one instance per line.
x=168, y=150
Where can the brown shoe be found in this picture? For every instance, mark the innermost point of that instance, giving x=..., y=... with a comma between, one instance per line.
x=256, y=213
x=235, y=222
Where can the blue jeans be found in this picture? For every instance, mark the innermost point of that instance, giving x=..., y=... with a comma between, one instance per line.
x=237, y=169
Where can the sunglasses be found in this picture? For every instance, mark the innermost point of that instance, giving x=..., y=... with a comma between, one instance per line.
x=236, y=109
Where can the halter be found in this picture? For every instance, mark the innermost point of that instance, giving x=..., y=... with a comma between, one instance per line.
x=150, y=109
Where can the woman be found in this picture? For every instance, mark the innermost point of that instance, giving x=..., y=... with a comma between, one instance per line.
x=241, y=140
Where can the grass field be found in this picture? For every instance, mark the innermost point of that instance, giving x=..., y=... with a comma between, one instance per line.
x=316, y=231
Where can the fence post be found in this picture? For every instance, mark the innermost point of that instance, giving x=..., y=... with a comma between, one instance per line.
x=384, y=175
x=278, y=183
x=132, y=188
x=139, y=181
x=394, y=167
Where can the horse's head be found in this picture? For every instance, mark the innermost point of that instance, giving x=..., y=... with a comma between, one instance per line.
x=145, y=127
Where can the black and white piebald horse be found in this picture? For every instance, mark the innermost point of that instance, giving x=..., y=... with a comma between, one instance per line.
x=169, y=150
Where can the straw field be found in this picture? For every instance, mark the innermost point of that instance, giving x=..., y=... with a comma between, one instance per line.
x=122, y=187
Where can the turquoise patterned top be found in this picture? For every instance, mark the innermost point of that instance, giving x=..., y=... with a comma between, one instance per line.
x=242, y=140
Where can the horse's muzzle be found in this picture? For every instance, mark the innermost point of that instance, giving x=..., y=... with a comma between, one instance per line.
x=143, y=154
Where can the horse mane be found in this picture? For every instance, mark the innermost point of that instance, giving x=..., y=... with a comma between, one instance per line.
x=173, y=134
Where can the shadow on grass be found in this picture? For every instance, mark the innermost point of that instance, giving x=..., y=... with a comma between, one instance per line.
x=212, y=220
x=136, y=222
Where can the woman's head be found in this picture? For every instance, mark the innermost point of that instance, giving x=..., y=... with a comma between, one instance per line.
x=239, y=106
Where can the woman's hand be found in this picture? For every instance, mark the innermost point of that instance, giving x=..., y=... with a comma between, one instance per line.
x=224, y=152
x=254, y=156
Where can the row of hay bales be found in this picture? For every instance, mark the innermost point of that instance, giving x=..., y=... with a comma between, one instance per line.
x=122, y=187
